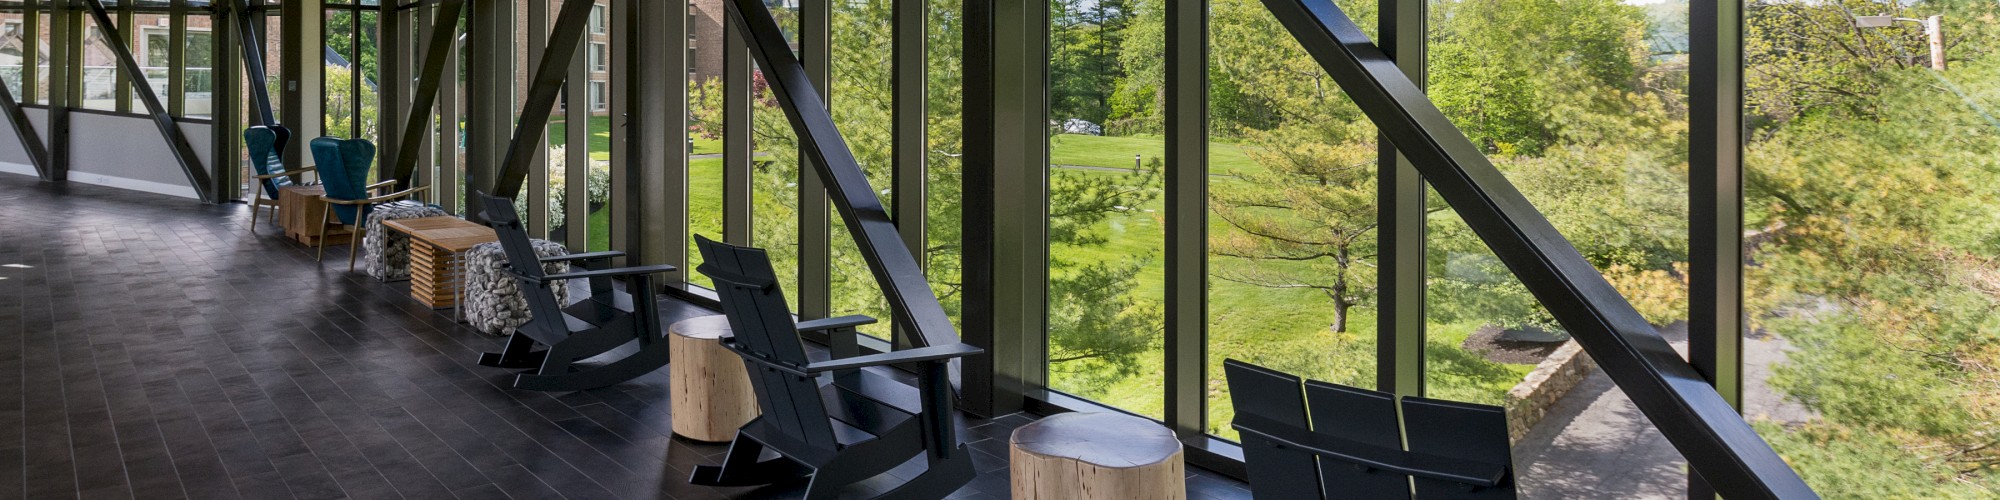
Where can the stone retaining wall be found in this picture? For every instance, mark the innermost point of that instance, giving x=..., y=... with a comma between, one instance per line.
x=1530, y=400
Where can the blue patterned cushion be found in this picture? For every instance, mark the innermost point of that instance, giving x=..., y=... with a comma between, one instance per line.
x=266, y=145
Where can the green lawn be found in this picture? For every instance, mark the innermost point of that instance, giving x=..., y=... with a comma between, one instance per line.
x=1117, y=152
x=600, y=138
x=1285, y=329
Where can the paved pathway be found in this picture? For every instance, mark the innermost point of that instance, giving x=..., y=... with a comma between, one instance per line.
x=1595, y=443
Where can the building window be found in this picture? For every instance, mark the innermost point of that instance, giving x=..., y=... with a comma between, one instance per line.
x=599, y=62
x=597, y=24
x=598, y=102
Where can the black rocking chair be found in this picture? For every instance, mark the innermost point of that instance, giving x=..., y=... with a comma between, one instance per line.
x=1352, y=446
x=828, y=420
x=594, y=326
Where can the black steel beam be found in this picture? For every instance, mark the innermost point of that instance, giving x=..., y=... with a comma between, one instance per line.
x=183, y=152
x=1716, y=321
x=1702, y=425
x=437, y=53
x=895, y=268
x=31, y=142
x=1399, y=334
x=1186, y=119
x=910, y=129
x=543, y=89
x=738, y=149
x=251, y=42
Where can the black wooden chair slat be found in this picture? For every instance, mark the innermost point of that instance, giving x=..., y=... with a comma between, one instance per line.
x=828, y=421
x=1362, y=416
x=1461, y=430
x=1455, y=450
x=607, y=320
x=1276, y=472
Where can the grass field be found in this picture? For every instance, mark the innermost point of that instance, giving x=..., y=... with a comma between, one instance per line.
x=1281, y=328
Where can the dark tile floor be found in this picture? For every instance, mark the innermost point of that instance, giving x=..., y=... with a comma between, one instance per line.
x=152, y=347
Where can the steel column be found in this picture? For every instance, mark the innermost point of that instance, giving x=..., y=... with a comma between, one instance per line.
x=392, y=107
x=910, y=128
x=659, y=139
x=576, y=150
x=1702, y=425
x=1005, y=242
x=1399, y=195
x=815, y=287
x=1186, y=117
x=183, y=152
x=63, y=77
x=537, y=188
x=1715, y=202
x=738, y=147
x=437, y=55
x=490, y=103
x=225, y=102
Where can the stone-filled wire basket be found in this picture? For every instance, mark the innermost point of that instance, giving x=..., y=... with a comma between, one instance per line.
x=385, y=253
x=493, y=303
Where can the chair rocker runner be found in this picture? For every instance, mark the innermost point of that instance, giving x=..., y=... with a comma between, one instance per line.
x=608, y=319
x=829, y=421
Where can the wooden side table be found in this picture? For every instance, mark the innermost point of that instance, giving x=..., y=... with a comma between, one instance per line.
x=1088, y=456
x=711, y=391
x=436, y=246
x=299, y=215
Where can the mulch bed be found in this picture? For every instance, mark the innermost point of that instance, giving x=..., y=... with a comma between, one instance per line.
x=1487, y=342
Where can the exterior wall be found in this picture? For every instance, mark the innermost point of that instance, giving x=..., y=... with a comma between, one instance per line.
x=1530, y=400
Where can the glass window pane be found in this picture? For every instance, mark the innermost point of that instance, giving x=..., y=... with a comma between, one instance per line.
x=1291, y=209
x=946, y=195
x=100, y=70
x=1585, y=115
x=13, y=51
x=198, y=77
x=1869, y=226
x=775, y=171
x=705, y=25
x=862, y=104
x=1106, y=238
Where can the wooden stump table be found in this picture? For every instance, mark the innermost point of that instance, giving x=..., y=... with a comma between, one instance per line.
x=435, y=245
x=710, y=388
x=299, y=214
x=1089, y=456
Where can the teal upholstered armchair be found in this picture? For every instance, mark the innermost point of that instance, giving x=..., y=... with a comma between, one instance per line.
x=343, y=168
x=267, y=146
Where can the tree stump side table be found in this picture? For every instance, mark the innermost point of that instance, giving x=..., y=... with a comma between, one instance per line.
x=1089, y=456
x=299, y=214
x=710, y=388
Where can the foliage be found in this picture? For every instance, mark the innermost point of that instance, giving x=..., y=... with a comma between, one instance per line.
x=597, y=187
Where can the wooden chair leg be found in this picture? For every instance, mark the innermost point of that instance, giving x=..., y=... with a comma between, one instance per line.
x=321, y=255
x=354, y=243
x=256, y=209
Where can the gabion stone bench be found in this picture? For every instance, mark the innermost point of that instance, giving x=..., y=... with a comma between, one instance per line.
x=493, y=303
x=387, y=253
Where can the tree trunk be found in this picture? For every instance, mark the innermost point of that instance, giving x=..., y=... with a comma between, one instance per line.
x=1340, y=316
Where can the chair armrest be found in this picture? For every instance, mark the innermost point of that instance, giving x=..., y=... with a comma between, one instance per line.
x=286, y=173
x=582, y=256
x=921, y=354
x=824, y=324
x=608, y=273
x=1456, y=470
x=379, y=185
x=369, y=201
